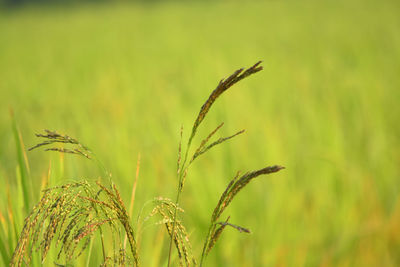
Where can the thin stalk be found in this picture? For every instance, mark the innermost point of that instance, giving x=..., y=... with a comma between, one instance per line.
x=89, y=253
x=181, y=173
x=102, y=245
x=23, y=166
x=133, y=195
x=203, y=254
x=173, y=229
x=132, y=242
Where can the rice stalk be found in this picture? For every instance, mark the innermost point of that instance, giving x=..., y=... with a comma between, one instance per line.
x=68, y=216
x=133, y=193
x=183, y=166
x=54, y=138
x=166, y=209
x=202, y=150
x=54, y=141
x=222, y=87
x=233, y=188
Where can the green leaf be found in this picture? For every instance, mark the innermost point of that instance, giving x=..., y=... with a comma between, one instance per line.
x=22, y=164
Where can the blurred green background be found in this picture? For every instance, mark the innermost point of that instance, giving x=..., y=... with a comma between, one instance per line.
x=122, y=77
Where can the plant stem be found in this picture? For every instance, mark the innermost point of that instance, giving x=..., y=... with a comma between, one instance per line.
x=131, y=238
x=102, y=245
x=173, y=227
x=89, y=253
x=133, y=195
x=206, y=242
x=181, y=174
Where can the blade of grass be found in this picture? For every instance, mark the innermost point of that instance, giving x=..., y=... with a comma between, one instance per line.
x=3, y=252
x=89, y=254
x=157, y=248
x=22, y=164
x=134, y=186
x=133, y=195
x=11, y=222
x=46, y=178
x=3, y=246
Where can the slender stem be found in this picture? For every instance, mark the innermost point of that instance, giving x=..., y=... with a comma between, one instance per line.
x=89, y=253
x=173, y=228
x=206, y=242
x=102, y=244
x=181, y=174
x=131, y=238
x=133, y=195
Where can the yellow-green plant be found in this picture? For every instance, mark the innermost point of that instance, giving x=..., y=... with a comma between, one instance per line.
x=70, y=215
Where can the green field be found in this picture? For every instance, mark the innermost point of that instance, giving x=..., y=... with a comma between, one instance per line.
x=123, y=78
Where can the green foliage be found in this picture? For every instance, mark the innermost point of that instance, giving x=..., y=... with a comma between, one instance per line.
x=123, y=77
x=3, y=249
x=22, y=166
x=71, y=214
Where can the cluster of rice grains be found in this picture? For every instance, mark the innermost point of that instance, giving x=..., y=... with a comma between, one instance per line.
x=227, y=196
x=53, y=138
x=70, y=215
x=167, y=209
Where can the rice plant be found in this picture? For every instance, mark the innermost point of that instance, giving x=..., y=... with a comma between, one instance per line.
x=70, y=216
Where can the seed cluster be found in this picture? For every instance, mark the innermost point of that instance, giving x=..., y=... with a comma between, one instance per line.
x=69, y=216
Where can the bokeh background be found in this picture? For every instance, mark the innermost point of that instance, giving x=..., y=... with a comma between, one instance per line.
x=122, y=77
